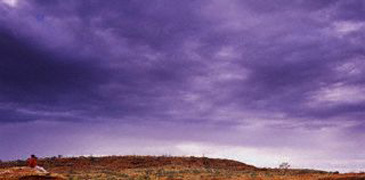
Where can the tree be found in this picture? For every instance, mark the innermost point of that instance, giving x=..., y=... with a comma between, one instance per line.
x=284, y=165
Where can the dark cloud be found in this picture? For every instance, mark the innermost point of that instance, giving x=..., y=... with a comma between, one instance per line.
x=9, y=115
x=254, y=66
x=262, y=6
x=349, y=10
x=29, y=74
x=141, y=57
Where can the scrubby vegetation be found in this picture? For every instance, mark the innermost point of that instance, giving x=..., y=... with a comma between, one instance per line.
x=162, y=167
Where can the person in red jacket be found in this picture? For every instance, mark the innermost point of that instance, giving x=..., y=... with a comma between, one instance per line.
x=32, y=163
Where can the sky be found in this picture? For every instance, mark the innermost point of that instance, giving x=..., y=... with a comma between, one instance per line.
x=258, y=81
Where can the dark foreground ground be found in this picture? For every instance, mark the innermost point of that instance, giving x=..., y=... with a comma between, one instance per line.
x=158, y=167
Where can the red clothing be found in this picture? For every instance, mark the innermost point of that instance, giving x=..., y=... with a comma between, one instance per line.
x=32, y=162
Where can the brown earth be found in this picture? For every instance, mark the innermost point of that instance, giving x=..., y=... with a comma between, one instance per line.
x=27, y=173
x=347, y=176
x=165, y=167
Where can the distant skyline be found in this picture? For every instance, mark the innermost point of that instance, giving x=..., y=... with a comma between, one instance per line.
x=258, y=81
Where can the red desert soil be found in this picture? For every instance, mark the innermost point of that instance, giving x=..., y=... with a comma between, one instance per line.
x=26, y=173
x=158, y=167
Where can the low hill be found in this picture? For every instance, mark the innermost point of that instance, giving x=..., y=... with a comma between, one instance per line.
x=164, y=167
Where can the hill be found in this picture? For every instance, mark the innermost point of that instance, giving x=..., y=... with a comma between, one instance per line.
x=162, y=167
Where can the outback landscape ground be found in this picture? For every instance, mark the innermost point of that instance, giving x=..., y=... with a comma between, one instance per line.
x=158, y=167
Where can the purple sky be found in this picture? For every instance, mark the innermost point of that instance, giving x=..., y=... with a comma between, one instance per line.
x=258, y=81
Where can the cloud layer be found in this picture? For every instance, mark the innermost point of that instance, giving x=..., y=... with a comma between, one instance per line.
x=251, y=74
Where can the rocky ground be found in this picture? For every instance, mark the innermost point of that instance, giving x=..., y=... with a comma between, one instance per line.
x=158, y=167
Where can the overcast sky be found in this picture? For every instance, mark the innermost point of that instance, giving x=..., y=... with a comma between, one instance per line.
x=258, y=81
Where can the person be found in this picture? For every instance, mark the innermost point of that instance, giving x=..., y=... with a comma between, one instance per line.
x=32, y=163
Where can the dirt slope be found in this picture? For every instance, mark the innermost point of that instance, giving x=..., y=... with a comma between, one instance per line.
x=26, y=173
x=162, y=167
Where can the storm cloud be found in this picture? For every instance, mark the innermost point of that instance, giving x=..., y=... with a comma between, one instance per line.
x=252, y=74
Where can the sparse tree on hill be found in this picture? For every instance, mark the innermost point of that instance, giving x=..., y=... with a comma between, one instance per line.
x=284, y=165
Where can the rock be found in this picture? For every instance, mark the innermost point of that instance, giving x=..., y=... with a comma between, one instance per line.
x=27, y=173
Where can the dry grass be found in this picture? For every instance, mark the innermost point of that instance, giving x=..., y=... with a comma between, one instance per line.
x=26, y=173
x=172, y=168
